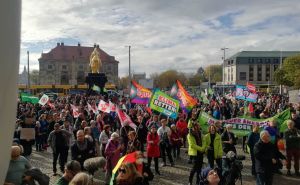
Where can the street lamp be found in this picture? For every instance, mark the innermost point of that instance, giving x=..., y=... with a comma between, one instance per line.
x=129, y=47
x=223, y=71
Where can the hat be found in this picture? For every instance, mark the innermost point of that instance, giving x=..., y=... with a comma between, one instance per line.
x=173, y=125
x=114, y=135
x=205, y=172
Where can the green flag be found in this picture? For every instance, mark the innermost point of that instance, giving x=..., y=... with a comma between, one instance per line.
x=25, y=97
x=204, y=98
x=210, y=91
x=96, y=88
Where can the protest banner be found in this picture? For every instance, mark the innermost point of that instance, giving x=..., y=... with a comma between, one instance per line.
x=164, y=104
x=124, y=118
x=243, y=125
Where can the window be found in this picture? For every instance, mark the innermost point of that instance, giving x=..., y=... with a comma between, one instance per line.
x=64, y=67
x=50, y=67
x=80, y=66
x=259, y=73
x=243, y=76
x=251, y=73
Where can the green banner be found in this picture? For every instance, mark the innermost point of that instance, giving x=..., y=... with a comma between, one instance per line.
x=164, y=104
x=29, y=98
x=243, y=125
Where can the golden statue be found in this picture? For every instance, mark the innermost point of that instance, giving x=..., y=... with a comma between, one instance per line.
x=95, y=61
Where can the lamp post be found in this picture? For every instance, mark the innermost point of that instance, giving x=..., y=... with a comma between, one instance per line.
x=129, y=62
x=223, y=71
x=28, y=74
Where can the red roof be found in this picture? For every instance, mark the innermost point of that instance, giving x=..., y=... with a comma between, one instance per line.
x=63, y=52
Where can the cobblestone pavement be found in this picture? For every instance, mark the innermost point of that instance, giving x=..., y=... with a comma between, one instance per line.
x=177, y=175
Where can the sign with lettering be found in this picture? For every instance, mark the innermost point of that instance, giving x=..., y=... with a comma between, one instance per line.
x=164, y=104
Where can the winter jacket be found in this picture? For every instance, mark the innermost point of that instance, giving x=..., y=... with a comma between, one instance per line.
x=37, y=176
x=112, y=157
x=52, y=139
x=82, y=155
x=153, y=148
x=292, y=137
x=218, y=152
x=264, y=153
x=193, y=147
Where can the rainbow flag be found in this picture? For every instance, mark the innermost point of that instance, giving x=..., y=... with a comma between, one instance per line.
x=139, y=94
x=129, y=158
x=187, y=102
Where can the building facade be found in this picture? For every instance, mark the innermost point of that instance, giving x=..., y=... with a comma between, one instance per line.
x=256, y=67
x=69, y=65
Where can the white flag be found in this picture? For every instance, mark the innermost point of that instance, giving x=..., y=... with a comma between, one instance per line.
x=44, y=99
x=103, y=106
x=112, y=107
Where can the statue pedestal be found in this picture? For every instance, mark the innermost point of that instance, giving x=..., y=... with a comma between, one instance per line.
x=98, y=79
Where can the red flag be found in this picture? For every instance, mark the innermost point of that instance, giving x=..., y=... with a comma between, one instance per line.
x=112, y=107
x=92, y=108
x=75, y=111
x=51, y=105
x=250, y=107
x=251, y=87
x=125, y=119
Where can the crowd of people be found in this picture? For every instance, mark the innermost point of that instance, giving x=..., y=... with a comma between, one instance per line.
x=91, y=134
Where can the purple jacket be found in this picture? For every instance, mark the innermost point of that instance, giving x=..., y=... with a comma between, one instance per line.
x=111, y=157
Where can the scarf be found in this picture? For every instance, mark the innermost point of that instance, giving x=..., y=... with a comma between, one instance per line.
x=197, y=136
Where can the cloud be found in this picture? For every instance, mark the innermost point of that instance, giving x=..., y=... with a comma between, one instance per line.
x=168, y=34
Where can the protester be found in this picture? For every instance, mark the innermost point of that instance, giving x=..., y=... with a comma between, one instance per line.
x=228, y=139
x=103, y=139
x=196, y=149
x=82, y=149
x=252, y=140
x=112, y=152
x=209, y=176
x=265, y=154
x=182, y=129
x=175, y=141
x=129, y=175
x=80, y=179
x=164, y=133
x=153, y=148
x=124, y=136
x=141, y=132
x=133, y=143
x=17, y=167
x=292, y=137
x=59, y=141
x=213, y=146
x=71, y=169
x=143, y=168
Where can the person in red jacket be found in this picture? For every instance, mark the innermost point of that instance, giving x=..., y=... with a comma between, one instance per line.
x=153, y=148
x=175, y=141
x=182, y=129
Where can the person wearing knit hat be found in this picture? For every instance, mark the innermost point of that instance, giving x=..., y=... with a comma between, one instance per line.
x=112, y=153
x=209, y=177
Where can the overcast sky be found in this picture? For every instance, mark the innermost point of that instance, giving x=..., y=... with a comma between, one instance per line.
x=163, y=34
